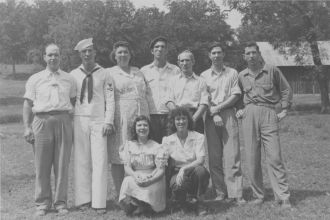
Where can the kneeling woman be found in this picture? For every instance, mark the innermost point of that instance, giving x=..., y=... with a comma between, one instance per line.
x=189, y=179
x=143, y=188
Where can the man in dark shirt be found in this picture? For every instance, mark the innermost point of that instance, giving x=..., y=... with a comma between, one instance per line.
x=263, y=87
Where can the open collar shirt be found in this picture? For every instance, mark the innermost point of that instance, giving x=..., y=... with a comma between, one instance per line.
x=158, y=80
x=102, y=104
x=221, y=86
x=189, y=92
x=43, y=86
x=193, y=148
x=269, y=86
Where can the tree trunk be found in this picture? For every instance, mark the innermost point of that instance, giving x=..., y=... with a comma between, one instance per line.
x=14, y=66
x=321, y=75
x=323, y=81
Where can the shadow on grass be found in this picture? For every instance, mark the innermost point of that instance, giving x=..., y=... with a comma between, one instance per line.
x=11, y=100
x=297, y=195
x=11, y=119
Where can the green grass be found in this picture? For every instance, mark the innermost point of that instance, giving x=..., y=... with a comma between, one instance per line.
x=305, y=148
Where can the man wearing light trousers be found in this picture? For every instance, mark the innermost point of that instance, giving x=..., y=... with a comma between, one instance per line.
x=221, y=127
x=49, y=97
x=93, y=121
x=264, y=87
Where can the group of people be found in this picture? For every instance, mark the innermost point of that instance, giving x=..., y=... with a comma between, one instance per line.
x=149, y=124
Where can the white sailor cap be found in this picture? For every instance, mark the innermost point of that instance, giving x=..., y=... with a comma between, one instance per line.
x=83, y=44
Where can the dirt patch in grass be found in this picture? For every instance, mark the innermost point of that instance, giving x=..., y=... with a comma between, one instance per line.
x=305, y=149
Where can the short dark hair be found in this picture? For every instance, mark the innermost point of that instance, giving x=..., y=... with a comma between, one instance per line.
x=114, y=48
x=251, y=44
x=179, y=111
x=136, y=120
x=215, y=44
x=157, y=39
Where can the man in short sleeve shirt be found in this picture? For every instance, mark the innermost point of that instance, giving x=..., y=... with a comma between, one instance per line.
x=93, y=121
x=158, y=74
x=264, y=86
x=49, y=97
x=189, y=90
x=221, y=127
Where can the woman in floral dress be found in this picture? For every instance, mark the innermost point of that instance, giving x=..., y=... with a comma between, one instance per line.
x=132, y=98
x=144, y=186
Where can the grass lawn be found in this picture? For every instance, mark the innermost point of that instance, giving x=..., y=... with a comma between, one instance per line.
x=305, y=142
x=305, y=148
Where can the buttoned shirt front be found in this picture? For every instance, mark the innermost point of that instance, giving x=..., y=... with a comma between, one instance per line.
x=158, y=80
x=193, y=148
x=221, y=85
x=102, y=104
x=267, y=87
x=189, y=92
x=41, y=88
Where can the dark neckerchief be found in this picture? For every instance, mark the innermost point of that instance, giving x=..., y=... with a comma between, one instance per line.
x=88, y=77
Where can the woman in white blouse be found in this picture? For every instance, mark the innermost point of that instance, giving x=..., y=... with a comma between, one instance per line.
x=189, y=178
x=143, y=189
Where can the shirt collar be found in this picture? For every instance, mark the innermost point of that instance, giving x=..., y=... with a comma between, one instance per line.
x=165, y=67
x=193, y=76
x=96, y=67
x=50, y=73
x=213, y=72
x=265, y=69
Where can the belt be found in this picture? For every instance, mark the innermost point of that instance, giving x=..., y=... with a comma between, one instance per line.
x=267, y=105
x=52, y=113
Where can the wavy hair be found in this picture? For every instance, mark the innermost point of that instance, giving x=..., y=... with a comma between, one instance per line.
x=179, y=111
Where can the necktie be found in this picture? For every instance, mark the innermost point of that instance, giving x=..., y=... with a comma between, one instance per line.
x=54, y=97
x=89, y=81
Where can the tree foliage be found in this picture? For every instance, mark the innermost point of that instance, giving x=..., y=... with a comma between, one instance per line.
x=290, y=24
x=187, y=24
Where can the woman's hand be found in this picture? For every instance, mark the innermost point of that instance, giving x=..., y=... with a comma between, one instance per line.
x=179, y=177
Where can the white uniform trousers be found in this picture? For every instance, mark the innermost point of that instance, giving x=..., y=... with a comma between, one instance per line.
x=90, y=162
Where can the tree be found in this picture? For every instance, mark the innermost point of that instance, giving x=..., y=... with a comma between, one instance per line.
x=193, y=25
x=13, y=39
x=290, y=24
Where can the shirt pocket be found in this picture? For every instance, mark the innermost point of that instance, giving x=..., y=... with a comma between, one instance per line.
x=265, y=90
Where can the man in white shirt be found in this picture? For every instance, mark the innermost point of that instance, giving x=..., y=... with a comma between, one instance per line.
x=189, y=90
x=93, y=121
x=48, y=99
x=221, y=127
x=158, y=74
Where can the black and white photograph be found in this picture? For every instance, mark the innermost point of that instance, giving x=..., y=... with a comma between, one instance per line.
x=165, y=109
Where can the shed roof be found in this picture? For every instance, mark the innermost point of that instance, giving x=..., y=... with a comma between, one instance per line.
x=288, y=56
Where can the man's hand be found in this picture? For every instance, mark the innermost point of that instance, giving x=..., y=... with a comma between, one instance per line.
x=179, y=177
x=240, y=113
x=282, y=114
x=217, y=120
x=28, y=135
x=108, y=129
x=213, y=110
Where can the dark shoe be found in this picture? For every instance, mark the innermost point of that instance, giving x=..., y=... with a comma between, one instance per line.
x=40, y=212
x=286, y=204
x=62, y=211
x=220, y=197
x=238, y=201
x=201, y=210
x=127, y=206
x=257, y=201
x=84, y=206
x=191, y=199
x=101, y=211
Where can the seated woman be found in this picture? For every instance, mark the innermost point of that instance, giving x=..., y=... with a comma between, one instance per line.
x=189, y=179
x=143, y=189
